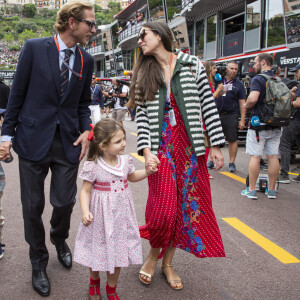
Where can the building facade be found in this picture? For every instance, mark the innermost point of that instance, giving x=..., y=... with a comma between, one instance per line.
x=213, y=30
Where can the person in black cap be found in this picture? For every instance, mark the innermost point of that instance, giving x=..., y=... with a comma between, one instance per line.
x=4, y=94
x=290, y=134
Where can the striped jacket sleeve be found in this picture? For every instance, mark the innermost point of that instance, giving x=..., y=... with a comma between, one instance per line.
x=143, y=129
x=209, y=110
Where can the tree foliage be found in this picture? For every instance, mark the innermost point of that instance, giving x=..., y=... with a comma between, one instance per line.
x=26, y=25
x=9, y=37
x=29, y=10
x=26, y=35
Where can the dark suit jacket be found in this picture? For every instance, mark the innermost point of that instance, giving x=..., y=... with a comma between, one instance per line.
x=34, y=105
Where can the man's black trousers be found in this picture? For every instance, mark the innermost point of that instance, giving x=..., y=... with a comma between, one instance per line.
x=62, y=197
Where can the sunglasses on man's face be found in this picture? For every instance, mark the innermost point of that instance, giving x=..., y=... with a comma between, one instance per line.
x=90, y=23
x=93, y=78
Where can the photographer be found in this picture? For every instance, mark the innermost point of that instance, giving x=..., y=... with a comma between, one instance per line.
x=119, y=107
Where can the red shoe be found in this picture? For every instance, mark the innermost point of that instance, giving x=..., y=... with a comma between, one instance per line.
x=111, y=293
x=94, y=290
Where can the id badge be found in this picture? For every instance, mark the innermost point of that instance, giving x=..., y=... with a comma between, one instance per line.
x=172, y=117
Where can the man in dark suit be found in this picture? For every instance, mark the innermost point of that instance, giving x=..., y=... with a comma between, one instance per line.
x=47, y=123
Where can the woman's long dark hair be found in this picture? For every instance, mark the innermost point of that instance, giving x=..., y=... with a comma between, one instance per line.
x=147, y=70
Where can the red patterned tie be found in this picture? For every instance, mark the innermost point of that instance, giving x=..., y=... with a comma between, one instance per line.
x=64, y=72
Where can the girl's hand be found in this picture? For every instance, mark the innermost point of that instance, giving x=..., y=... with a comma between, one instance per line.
x=87, y=218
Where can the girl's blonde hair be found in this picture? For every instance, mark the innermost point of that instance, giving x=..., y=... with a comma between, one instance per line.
x=104, y=131
x=208, y=65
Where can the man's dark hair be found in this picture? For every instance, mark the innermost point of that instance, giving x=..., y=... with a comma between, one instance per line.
x=267, y=57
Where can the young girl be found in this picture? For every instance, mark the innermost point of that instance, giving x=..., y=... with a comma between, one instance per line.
x=108, y=237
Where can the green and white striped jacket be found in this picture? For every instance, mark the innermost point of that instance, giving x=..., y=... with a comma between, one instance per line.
x=195, y=101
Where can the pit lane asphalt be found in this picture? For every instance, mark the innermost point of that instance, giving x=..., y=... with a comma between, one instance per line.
x=247, y=272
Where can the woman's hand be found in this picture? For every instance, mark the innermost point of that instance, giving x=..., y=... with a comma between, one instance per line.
x=87, y=218
x=151, y=161
x=220, y=89
x=152, y=168
x=217, y=157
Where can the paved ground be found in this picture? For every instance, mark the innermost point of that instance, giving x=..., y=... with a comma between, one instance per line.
x=248, y=271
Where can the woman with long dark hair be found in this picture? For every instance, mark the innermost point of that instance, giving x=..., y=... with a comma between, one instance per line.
x=171, y=93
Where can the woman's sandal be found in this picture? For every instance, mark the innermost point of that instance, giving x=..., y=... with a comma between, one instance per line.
x=146, y=274
x=95, y=296
x=172, y=281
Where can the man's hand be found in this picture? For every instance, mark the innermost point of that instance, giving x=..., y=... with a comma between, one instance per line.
x=83, y=140
x=217, y=157
x=241, y=125
x=5, y=150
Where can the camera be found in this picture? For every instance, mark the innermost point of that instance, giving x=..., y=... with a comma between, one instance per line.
x=221, y=68
x=112, y=91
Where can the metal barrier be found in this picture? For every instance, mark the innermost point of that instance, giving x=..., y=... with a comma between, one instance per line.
x=96, y=49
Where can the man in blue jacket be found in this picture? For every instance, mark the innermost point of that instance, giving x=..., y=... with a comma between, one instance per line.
x=97, y=105
x=47, y=123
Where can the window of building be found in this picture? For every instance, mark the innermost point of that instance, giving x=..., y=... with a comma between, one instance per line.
x=233, y=29
x=292, y=22
x=211, y=37
x=199, y=39
x=252, y=32
x=276, y=35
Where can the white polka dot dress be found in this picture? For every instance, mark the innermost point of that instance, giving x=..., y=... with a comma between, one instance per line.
x=112, y=239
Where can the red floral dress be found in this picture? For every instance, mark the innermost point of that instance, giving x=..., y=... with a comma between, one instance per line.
x=179, y=211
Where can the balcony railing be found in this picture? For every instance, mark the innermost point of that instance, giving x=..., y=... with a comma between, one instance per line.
x=96, y=50
x=185, y=3
x=130, y=31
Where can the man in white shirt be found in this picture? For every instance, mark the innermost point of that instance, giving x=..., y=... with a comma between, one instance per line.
x=119, y=109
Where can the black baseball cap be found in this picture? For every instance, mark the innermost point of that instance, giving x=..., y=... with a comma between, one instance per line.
x=295, y=68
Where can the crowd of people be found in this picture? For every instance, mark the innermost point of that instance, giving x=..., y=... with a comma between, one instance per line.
x=293, y=29
x=8, y=57
x=177, y=101
x=275, y=141
x=140, y=17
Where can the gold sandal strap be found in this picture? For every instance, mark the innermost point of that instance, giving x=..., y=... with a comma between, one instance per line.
x=175, y=281
x=94, y=285
x=153, y=258
x=146, y=274
x=165, y=266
